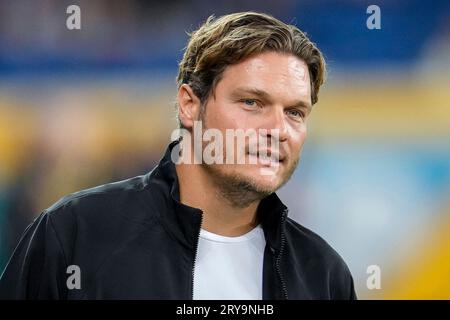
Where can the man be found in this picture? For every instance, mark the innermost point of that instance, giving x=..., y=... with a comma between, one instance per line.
x=197, y=226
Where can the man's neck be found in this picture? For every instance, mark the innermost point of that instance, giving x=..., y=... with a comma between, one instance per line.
x=198, y=190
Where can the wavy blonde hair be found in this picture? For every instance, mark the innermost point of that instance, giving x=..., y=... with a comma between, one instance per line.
x=227, y=40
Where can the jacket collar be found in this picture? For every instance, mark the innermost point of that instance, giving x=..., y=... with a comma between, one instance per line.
x=183, y=221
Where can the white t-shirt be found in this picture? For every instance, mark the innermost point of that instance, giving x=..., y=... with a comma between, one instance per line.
x=228, y=268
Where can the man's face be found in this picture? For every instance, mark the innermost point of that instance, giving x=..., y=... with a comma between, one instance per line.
x=267, y=91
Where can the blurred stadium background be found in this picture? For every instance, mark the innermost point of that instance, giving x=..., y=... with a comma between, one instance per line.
x=85, y=107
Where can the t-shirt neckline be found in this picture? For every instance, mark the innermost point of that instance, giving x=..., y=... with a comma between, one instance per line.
x=206, y=235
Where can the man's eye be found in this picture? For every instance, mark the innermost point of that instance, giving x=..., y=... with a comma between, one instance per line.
x=295, y=113
x=249, y=102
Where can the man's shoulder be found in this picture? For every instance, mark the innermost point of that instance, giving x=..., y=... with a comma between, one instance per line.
x=104, y=202
x=101, y=193
x=319, y=262
x=312, y=247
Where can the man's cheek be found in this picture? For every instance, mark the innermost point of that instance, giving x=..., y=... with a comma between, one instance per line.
x=298, y=134
x=303, y=129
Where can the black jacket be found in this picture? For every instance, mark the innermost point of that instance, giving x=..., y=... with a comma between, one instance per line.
x=133, y=239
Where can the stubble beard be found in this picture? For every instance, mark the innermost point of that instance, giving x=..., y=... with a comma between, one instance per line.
x=241, y=190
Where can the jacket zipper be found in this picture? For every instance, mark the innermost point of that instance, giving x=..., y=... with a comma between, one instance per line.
x=278, y=259
x=195, y=257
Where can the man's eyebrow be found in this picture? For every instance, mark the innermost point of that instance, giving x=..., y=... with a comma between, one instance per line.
x=303, y=104
x=266, y=96
x=254, y=91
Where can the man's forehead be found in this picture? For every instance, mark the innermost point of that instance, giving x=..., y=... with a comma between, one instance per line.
x=272, y=72
x=280, y=68
x=276, y=62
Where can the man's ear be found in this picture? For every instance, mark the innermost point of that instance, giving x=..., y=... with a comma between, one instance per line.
x=188, y=106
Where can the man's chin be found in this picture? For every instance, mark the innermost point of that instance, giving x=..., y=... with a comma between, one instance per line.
x=263, y=173
x=264, y=180
x=243, y=184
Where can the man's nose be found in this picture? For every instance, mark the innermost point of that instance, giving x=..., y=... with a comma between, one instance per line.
x=277, y=124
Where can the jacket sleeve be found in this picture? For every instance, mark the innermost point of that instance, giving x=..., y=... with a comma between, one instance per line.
x=353, y=295
x=37, y=268
x=343, y=287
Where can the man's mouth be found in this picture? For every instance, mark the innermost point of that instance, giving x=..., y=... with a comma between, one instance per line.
x=267, y=157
